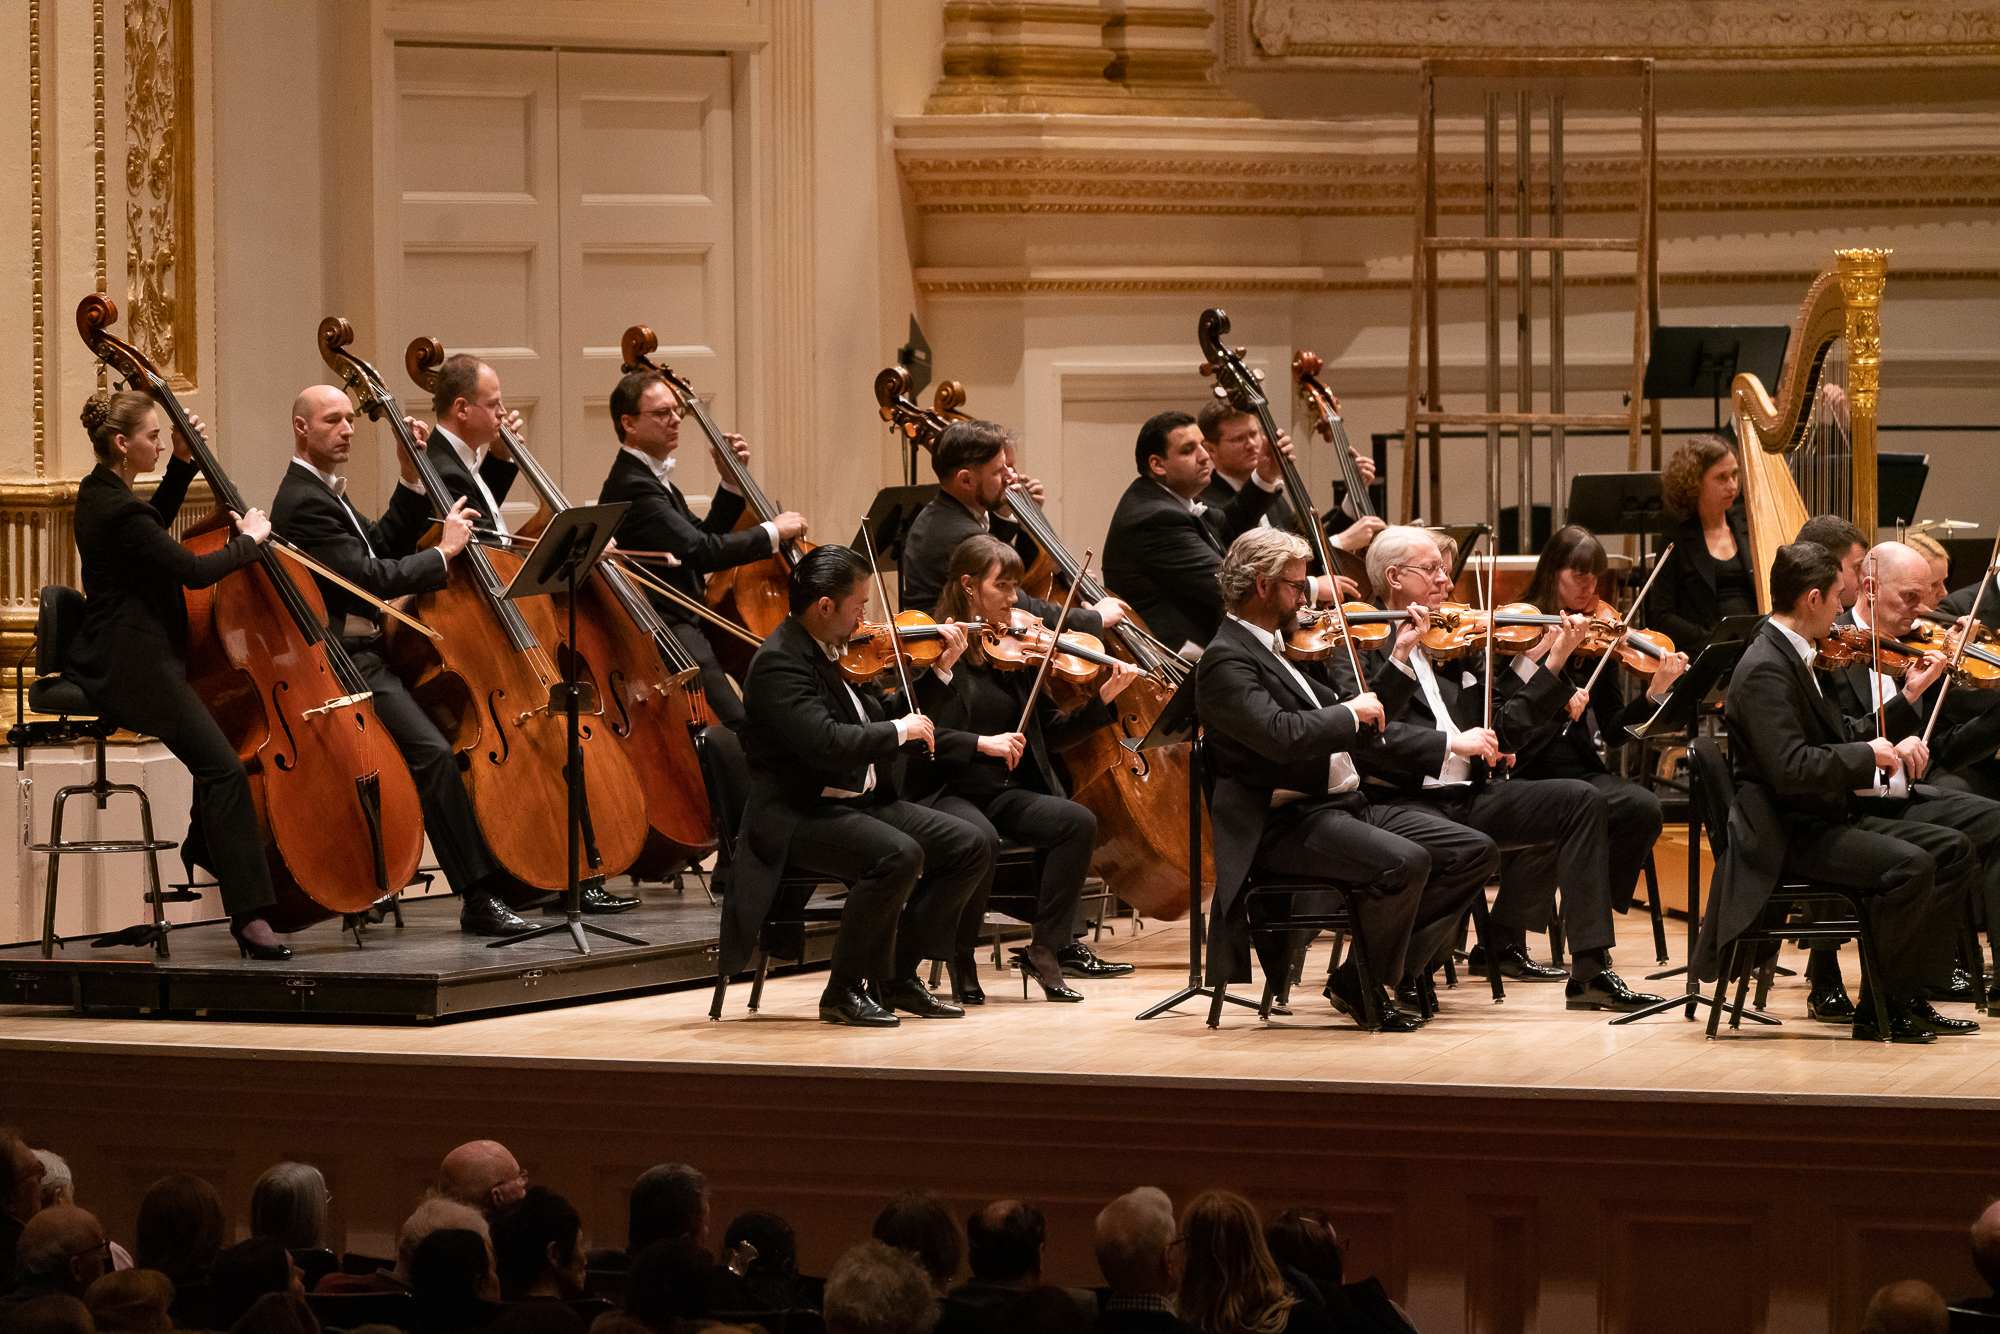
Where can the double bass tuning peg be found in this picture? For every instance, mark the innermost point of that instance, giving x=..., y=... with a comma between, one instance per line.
x=1207, y=369
x=1257, y=375
x=1220, y=392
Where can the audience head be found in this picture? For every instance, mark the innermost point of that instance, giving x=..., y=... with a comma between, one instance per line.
x=1043, y=1310
x=249, y=1270
x=538, y=1246
x=1135, y=1243
x=180, y=1228
x=1004, y=1241
x=917, y=1221
x=1909, y=1307
x=482, y=1174
x=1700, y=480
x=1305, y=1240
x=58, y=1313
x=277, y=1313
x=1803, y=578
x=288, y=1203
x=823, y=579
x=20, y=1174
x=1229, y=1282
x=131, y=1301
x=58, y=1186
x=1254, y=574
x=669, y=1201
x=1170, y=452
x=434, y=1215
x=453, y=1266
x=1847, y=545
x=62, y=1248
x=668, y=1282
x=1566, y=575
x=770, y=1273
x=1986, y=1246
x=877, y=1289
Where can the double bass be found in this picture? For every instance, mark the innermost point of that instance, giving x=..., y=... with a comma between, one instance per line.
x=488, y=684
x=336, y=805
x=1330, y=427
x=1140, y=798
x=650, y=686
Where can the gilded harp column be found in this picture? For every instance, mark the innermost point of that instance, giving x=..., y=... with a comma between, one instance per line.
x=1862, y=274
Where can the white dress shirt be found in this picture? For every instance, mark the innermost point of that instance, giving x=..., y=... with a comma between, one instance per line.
x=1341, y=775
x=472, y=458
x=1456, y=769
x=832, y=652
x=663, y=470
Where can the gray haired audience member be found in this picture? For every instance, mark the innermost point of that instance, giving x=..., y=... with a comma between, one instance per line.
x=1909, y=1307
x=669, y=1203
x=917, y=1221
x=1140, y=1263
x=288, y=1204
x=61, y=1252
x=58, y=1186
x=877, y=1289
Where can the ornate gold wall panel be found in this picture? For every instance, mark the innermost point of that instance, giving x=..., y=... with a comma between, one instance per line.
x=159, y=185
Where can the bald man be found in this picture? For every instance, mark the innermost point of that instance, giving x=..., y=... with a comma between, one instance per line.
x=313, y=513
x=1910, y=1307
x=483, y=1175
x=1892, y=583
x=1986, y=1259
x=62, y=1251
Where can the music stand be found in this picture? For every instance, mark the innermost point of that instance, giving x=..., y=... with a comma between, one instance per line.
x=1180, y=721
x=1617, y=502
x=888, y=521
x=563, y=557
x=1696, y=362
x=1682, y=711
x=914, y=357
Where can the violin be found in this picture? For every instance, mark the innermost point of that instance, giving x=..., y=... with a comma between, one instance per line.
x=1985, y=635
x=1457, y=629
x=1640, y=651
x=1978, y=669
x=1854, y=646
x=1317, y=635
x=341, y=823
x=1329, y=426
x=1079, y=658
x=871, y=649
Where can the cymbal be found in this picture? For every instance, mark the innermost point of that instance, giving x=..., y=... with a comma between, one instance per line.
x=1950, y=525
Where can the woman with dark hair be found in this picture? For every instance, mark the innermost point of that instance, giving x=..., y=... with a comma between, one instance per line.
x=452, y=1279
x=179, y=1230
x=1006, y=782
x=1303, y=1241
x=760, y=1267
x=918, y=1222
x=1229, y=1282
x=1567, y=579
x=1708, y=577
x=671, y=1282
x=538, y=1247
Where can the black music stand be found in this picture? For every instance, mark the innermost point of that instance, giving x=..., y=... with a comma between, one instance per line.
x=1686, y=704
x=1179, y=721
x=914, y=357
x=889, y=519
x=1617, y=502
x=563, y=557
x=1696, y=362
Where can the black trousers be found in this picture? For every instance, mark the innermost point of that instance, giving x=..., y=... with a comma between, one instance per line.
x=234, y=846
x=1634, y=823
x=723, y=701
x=1916, y=876
x=1413, y=872
x=911, y=868
x=461, y=848
x=1565, y=815
x=1979, y=820
x=1063, y=829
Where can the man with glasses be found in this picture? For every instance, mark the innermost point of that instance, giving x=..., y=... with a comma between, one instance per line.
x=62, y=1251
x=1452, y=764
x=647, y=416
x=482, y=1175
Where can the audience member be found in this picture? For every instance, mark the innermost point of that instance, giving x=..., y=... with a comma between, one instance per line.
x=58, y=1187
x=20, y=1197
x=452, y=1278
x=246, y=1271
x=669, y=1203
x=1043, y=1310
x=1229, y=1282
x=432, y=1215
x=1003, y=1245
x=538, y=1246
x=917, y=1221
x=288, y=1204
x=1986, y=1259
x=58, y=1314
x=1307, y=1248
x=131, y=1301
x=61, y=1252
x=670, y=1283
x=1140, y=1263
x=760, y=1268
x=618, y=1322
x=179, y=1231
x=282, y=1312
x=1909, y=1307
x=482, y=1174
x=879, y=1289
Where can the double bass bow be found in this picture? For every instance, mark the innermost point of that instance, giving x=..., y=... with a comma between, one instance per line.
x=489, y=683
x=649, y=684
x=337, y=807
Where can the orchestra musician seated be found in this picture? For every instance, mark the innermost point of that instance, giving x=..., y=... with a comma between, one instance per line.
x=1710, y=578
x=1452, y=764
x=825, y=796
x=974, y=464
x=1288, y=794
x=1011, y=783
x=1235, y=441
x=1796, y=816
x=647, y=414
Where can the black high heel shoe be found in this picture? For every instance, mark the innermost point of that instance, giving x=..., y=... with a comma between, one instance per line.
x=251, y=949
x=964, y=974
x=1040, y=961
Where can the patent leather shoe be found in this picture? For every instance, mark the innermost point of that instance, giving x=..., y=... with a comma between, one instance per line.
x=1515, y=966
x=1903, y=1026
x=1922, y=1012
x=597, y=901
x=1829, y=1004
x=268, y=950
x=964, y=974
x=1346, y=998
x=911, y=996
x=1606, y=991
x=849, y=1003
x=1962, y=991
x=486, y=915
x=1418, y=997
x=1077, y=961
x=1039, y=962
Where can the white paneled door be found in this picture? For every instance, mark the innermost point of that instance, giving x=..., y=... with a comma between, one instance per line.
x=549, y=200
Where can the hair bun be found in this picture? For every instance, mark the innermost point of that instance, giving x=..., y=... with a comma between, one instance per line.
x=96, y=410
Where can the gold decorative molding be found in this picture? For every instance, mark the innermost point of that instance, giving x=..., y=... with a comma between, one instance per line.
x=1018, y=284
x=1276, y=35
x=159, y=185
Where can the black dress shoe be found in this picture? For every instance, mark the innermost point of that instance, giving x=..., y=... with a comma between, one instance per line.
x=1411, y=995
x=1515, y=966
x=964, y=974
x=597, y=900
x=1929, y=1018
x=275, y=951
x=485, y=915
x=1962, y=991
x=1829, y=1004
x=1393, y=1019
x=1606, y=992
x=849, y=1003
x=1904, y=1027
x=1077, y=961
x=911, y=996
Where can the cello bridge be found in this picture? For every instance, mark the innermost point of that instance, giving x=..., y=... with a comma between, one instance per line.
x=343, y=702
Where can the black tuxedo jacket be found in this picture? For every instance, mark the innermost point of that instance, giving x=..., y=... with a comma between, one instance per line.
x=135, y=619
x=309, y=516
x=1161, y=558
x=1410, y=755
x=936, y=532
x=1684, y=605
x=1960, y=738
x=660, y=520
x=980, y=701
x=1277, y=507
x=1959, y=603
x=1560, y=748
x=497, y=473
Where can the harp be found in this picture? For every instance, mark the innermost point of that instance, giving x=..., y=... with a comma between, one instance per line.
x=1812, y=450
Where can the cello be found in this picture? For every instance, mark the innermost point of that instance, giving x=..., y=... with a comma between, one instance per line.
x=1140, y=798
x=1330, y=427
x=756, y=595
x=654, y=686
x=488, y=684
x=338, y=810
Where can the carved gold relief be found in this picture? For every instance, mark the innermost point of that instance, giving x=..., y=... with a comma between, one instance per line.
x=159, y=152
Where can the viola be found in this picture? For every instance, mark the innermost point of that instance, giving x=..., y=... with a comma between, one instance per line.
x=1457, y=629
x=1640, y=651
x=1330, y=427
x=871, y=649
x=1978, y=669
x=1854, y=646
x=339, y=813
x=649, y=684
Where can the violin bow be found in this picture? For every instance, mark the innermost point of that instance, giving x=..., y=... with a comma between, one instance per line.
x=889, y=619
x=1489, y=635
x=1965, y=637
x=1875, y=645
x=1637, y=602
x=1055, y=639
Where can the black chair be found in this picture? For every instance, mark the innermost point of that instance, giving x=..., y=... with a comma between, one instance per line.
x=315, y=1263
x=351, y=1310
x=726, y=774
x=1779, y=922
x=352, y=1262
x=76, y=719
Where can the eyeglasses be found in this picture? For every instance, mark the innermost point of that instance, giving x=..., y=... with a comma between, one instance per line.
x=663, y=414
x=1303, y=587
x=1427, y=571
x=101, y=1248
